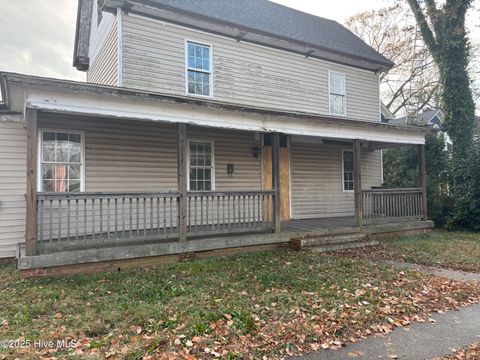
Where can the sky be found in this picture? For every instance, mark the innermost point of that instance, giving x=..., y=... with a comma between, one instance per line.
x=36, y=36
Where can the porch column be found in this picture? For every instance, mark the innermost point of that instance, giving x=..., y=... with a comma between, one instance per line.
x=422, y=181
x=276, y=181
x=357, y=183
x=31, y=195
x=182, y=181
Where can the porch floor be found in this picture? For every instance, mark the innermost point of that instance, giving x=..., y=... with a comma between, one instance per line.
x=112, y=250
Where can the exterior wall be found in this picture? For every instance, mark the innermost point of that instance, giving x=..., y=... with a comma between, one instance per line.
x=142, y=156
x=13, y=167
x=103, y=51
x=316, y=173
x=153, y=59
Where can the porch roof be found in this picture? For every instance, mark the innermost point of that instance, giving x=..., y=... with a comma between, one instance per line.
x=20, y=91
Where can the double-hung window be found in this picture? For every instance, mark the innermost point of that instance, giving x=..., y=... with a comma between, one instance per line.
x=348, y=179
x=337, y=93
x=201, y=166
x=198, y=69
x=61, y=161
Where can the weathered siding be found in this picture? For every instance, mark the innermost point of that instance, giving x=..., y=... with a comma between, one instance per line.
x=317, y=189
x=13, y=167
x=153, y=59
x=103, y=51
x=142, y=156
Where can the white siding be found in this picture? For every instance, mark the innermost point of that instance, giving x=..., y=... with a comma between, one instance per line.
x=103, y=51
x=317, y=180
x=13, y=167
x=142, y=156
x=153, y=59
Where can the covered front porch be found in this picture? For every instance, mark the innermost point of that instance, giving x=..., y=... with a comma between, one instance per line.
x=265, y=178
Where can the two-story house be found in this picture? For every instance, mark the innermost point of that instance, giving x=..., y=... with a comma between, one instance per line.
x=203, y=125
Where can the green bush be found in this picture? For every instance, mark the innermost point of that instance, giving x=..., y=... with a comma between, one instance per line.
x=401, y=170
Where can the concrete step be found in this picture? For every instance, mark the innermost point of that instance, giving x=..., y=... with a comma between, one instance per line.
x=329, y=239
x=344, y=246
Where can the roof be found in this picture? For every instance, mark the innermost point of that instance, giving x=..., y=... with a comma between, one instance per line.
x=7, y=79
x=276, y=19
x=270, y=19
x=425, y=117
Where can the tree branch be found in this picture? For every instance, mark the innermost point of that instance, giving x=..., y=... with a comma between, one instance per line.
x=428, y=36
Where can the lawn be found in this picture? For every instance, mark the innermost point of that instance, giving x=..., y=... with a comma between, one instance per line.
x=454, y=250
x=268, y=304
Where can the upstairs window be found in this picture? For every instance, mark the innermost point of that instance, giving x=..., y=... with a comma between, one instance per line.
x=348, y=179
x=201, y=167
x=198, y=69
x=61, y=161
x=337, y=93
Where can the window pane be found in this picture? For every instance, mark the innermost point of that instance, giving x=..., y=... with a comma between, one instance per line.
x=337, y=84
x=74, y=185
x=48, y=185
x=48, y=146
x=61, y=148
x=74, y=172
x=348, y=160
x=60, y=185
x=47, y=171
x=74, y=139
x=337, y=104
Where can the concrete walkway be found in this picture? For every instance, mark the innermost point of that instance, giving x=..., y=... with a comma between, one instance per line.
x=453, y=329
x=447, y=273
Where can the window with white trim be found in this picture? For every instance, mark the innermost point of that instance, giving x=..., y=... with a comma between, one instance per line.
x=198, y=69
x=348, y=175
x=201, y=167
x=337, y=93
x=61, y=162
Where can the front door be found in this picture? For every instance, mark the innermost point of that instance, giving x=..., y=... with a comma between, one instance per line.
x=267, y=179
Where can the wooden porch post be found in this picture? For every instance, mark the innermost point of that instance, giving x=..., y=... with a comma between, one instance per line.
x=182, y=181
x=422, y=181
x=276, y=181
x=31, y=195
x=357, y=183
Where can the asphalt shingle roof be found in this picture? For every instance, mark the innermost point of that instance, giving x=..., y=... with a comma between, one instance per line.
x=279, y=20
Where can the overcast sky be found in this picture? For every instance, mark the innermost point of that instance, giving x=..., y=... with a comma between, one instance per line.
x=36, y=36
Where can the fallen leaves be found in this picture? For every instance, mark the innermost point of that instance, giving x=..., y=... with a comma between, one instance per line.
x=245, y=310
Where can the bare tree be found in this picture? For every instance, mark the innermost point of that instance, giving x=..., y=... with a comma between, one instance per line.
x=391, y=31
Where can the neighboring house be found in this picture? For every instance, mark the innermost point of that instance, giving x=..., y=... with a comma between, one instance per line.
x=199, y=119
x=431, y=117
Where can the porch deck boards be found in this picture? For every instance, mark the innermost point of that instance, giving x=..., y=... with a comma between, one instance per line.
x=318, y=224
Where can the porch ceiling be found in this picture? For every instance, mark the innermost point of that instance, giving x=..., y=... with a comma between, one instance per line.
x=21, y=91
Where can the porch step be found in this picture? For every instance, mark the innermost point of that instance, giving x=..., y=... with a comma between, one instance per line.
x=345, y=246
x=332, y=242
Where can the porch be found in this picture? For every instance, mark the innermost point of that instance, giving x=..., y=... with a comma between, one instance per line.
x=252, y=207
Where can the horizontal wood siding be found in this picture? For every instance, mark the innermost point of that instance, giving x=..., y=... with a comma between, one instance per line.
x=13, y=167
x=317, y=189
x=142, y=156
x=153, y=59
x=104, y=52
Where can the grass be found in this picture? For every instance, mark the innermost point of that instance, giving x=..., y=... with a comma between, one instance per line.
x=271, y=304
x=454, y=250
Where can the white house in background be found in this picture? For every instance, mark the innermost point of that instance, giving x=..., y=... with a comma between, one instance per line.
x=204, y=126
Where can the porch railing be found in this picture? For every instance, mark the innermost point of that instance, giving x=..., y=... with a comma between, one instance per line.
x=229, y=212
x=379, y=204
x=84, y=218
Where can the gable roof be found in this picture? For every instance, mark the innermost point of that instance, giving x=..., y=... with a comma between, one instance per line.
x=276, y=19
x=271, y=19
x=425, y=117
